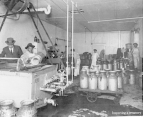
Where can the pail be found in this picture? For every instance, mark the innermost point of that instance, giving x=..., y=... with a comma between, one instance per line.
x=7, y=109
x=37, y=58
x=27, y=109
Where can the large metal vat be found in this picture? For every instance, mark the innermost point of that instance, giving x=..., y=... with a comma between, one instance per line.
x=25, y=85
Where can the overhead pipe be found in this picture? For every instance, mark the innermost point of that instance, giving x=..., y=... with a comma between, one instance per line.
x=46, y=10
x=3, y=15
x=115, y=20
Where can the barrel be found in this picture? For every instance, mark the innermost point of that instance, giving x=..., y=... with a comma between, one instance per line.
x=37, y=59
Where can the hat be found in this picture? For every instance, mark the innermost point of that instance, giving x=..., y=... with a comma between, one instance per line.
x=29, y=45
x=45, y=42
x=135, y=44
x=10, y=41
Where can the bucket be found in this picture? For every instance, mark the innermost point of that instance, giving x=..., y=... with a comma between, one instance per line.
x=37, y=59
x=7, y=109
x=27, y=109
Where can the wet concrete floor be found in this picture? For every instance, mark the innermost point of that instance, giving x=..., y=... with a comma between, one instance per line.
x=71, y=102
x=66, y=104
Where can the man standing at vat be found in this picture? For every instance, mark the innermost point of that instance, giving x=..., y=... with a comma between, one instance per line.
x=28, y=55
x=11, y=50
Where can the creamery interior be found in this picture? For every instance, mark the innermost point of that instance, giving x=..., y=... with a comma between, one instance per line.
x=71, y=58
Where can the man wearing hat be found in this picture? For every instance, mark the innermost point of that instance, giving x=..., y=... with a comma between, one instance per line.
x=28, y=55
x=136, y=55
x=11, y=50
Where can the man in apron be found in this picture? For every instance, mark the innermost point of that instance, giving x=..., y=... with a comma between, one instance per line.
x=136, y=55
x=95, y=56
x=76, y=61
x=28, y=55
x=11, y=50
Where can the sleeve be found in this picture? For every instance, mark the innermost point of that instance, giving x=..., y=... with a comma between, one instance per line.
x=24, y=58
x=20, y=52
x=3, y=53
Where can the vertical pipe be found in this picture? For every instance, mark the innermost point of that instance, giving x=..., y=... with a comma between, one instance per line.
x=72, y=35
x=67, y=40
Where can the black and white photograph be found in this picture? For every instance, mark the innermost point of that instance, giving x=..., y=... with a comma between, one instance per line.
x=71, y=58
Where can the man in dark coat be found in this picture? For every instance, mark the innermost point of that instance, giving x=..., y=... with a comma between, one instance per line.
x=11, y=50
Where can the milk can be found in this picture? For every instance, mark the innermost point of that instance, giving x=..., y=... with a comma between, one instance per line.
x=121, y=64
x=141, y=80
x=99, y=63
x=92, y=80
x=84, y=79
x=107, y=74
x=115, y=65
x=102, y=81
x=113, y=82
x=104, y=65
x=96, y=68
x=7, y=109
x=120, y=79
x=27, y=109
x=131, y=77
x=125, y=77
x=86, y=68
x=126, y=63
x=110, y=66
x=100, y=66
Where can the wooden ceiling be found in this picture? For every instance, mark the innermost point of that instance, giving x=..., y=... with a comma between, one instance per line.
x=97, y=15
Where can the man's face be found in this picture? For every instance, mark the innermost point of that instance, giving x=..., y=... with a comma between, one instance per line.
x=10, y=45
x=30, y=49
x=135, y=45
